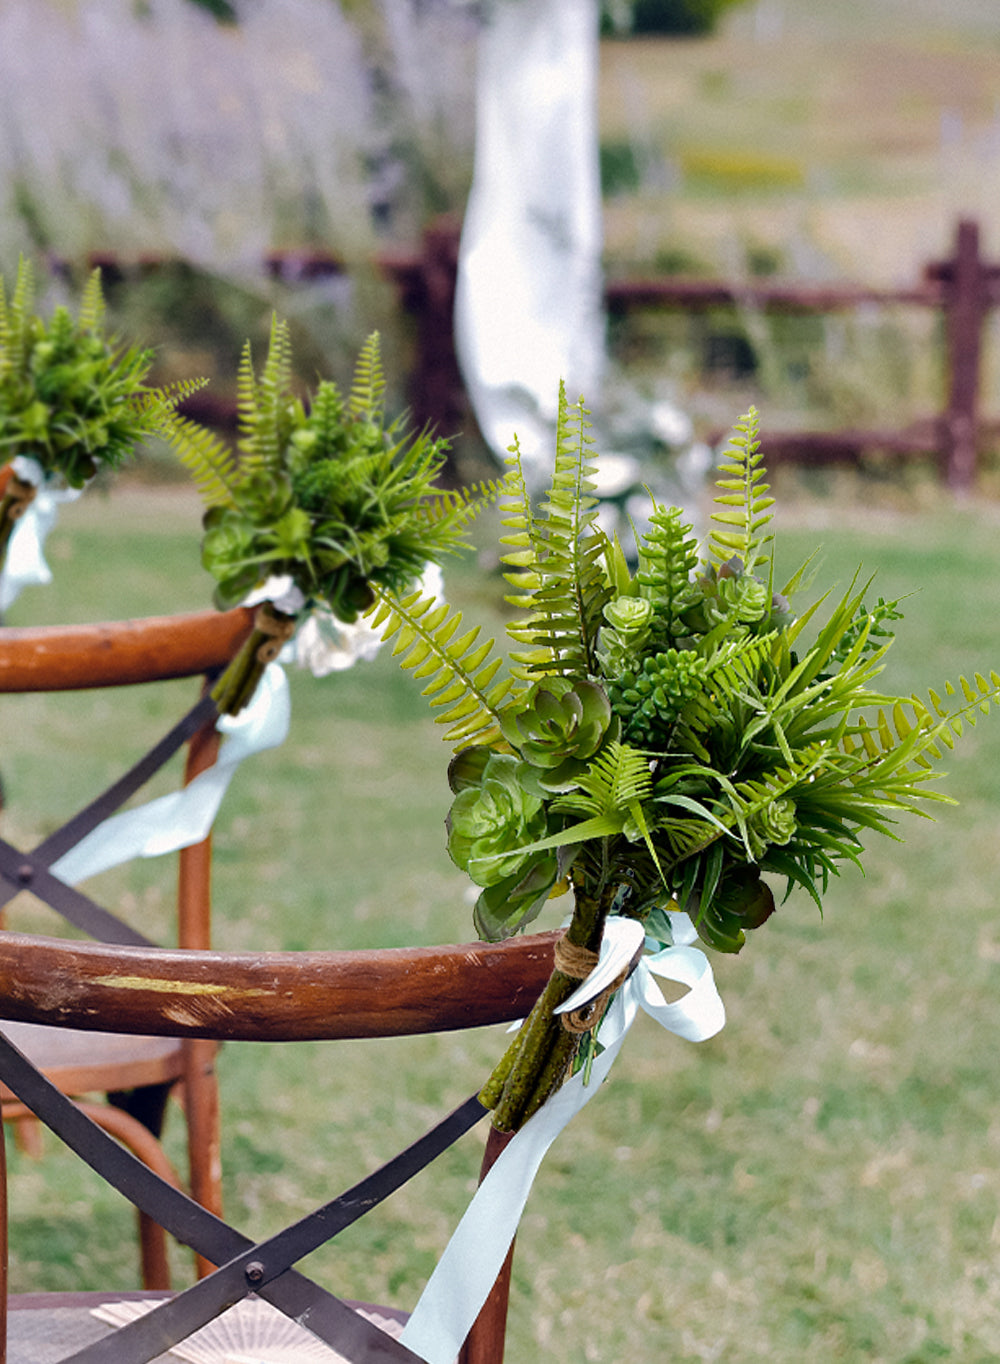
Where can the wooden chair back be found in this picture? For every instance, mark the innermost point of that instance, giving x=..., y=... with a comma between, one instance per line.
x=286, y=997
x=138, y=1072
x=197, y=998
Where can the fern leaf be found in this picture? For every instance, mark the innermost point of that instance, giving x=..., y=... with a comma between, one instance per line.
x=92, y=304
x=459, y=672
x=565, y=587
x=517, y=519
x=208, y=458
x=16, y=319
x=668, y=556
x=368, y=386
x=327, y=413
x=618, y=778
x=743, y=507
x=262, y=402
x=161, y=402
x=931, y=725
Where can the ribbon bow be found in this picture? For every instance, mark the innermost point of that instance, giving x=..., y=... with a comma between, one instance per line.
x=473, y=1257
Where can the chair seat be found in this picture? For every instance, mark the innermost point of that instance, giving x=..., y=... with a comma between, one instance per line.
x=44, y=1328
x=82, y=1062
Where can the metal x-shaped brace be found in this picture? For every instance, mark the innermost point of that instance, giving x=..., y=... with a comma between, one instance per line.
x=264, y=1268
x=30, y=871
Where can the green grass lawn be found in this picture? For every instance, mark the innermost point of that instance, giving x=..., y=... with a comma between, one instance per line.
x=816, y=142
x=819, y=1182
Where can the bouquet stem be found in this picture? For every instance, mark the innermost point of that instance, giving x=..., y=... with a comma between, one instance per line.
x=271, y=630
x=539, y=1059
x=18, y=495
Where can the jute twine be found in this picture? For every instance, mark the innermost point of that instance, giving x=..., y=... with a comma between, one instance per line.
x=577, y=963
x=19, y=495
x=278, y=628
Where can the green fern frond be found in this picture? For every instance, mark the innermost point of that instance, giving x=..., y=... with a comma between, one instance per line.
x=246, y=389
x=519, y=534
x=208, y=458
x=743, y=507
x=617, y=780
x=92, y=307
x=562, y=579
x=327, y=413
x=460, y=672
x=451, y=511
x=262, y=403
x=913, y=729
x=15, y=319
x=684, y=838
x=168, y=397
x=368, y=386
x=745, y=803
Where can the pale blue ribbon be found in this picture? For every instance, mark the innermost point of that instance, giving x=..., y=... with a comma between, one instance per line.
x=185, y=817
x=475, y=1254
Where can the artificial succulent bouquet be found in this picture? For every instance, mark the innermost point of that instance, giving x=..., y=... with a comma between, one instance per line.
x=663, y=737
x=72, y=399
x=322, y=494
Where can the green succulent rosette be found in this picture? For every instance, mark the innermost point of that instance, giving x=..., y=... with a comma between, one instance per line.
x=492, y=817
x=557, y=729
x=678, y=733
x=322, y=492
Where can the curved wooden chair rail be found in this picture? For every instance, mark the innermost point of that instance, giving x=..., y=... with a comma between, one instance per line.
x=272, y=996
x=120, y=653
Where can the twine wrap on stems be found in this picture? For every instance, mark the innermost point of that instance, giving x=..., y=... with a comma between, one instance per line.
x=272, y=629
x=578, y=962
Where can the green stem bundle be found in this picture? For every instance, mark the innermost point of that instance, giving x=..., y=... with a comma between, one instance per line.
x=271, y=630
x=541, y=1055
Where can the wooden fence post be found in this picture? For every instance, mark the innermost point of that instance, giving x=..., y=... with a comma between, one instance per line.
x=966, y=300
x=437, y=396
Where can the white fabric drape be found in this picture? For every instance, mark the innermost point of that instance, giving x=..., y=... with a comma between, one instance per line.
x=529, y=309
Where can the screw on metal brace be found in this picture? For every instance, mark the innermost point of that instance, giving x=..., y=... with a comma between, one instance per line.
x=254, y=1272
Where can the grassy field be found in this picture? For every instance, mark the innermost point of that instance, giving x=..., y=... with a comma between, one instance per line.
x=843, y=138
x=815, y=142
x=819, y=1182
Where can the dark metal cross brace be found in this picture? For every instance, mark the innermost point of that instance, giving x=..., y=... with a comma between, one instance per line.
x=30, y=871
x=264, y=1267
x=245, y=1267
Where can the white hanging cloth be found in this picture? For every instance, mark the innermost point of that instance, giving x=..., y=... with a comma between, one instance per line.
x=529, y=306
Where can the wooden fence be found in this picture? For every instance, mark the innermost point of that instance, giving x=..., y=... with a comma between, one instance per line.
x=964, y=288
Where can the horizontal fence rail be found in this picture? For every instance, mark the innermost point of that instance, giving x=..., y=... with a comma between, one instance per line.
x=964, y=288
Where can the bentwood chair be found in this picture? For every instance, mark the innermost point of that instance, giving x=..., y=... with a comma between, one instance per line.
x=136, y=1073
x=276, y=997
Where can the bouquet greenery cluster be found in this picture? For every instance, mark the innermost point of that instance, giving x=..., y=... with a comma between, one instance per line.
x=71, y=399
x=324, y=493
x=663, y=737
